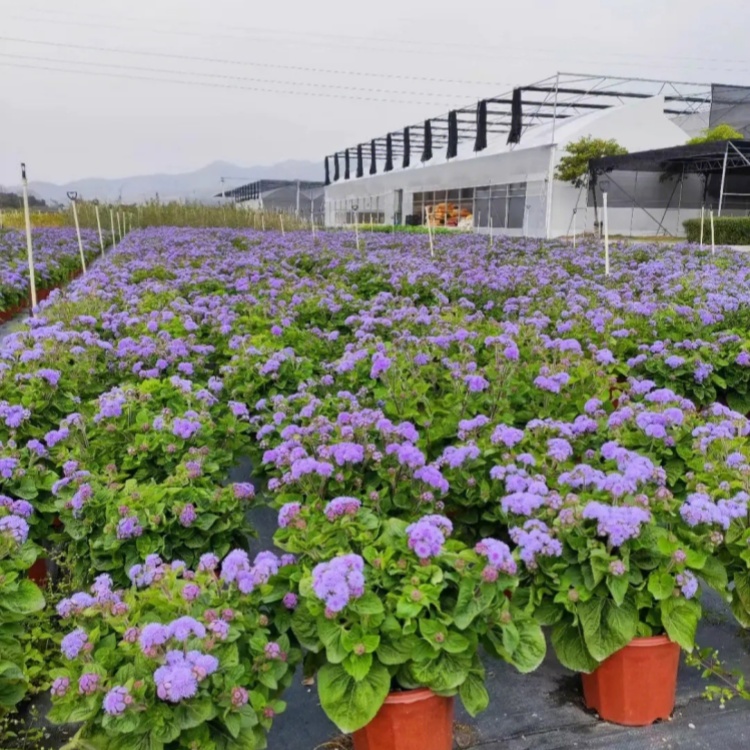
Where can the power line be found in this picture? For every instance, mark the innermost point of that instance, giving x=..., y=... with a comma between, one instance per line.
x=271, y=81
x=438, y=46
x=224, y=61
x=206, y=84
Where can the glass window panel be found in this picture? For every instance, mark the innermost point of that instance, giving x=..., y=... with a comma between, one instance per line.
x=498, y=201
x=516, y=205
x=467, y=193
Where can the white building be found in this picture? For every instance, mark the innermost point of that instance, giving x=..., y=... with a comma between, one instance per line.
x=511, y=187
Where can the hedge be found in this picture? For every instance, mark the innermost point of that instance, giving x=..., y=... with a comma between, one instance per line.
x=728, y=230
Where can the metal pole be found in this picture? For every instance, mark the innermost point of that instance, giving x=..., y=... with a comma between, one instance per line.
x=112, y=227
x=99, y=227
x=575, y=213
x=703, y=212
x=713, y=236
x=606, y=236
x=73, y=198
x=29, y=250
x=723, y=178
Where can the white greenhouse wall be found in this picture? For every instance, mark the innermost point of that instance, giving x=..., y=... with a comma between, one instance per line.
x=638, y=125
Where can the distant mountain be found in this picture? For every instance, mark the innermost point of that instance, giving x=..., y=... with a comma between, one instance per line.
x=200, y=185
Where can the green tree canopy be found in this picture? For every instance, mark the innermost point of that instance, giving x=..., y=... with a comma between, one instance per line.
x=574, y=166
x=721, y=132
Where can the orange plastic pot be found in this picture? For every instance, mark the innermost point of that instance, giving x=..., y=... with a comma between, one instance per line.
x=38, y=572
x=412, y=720
x=636, y=686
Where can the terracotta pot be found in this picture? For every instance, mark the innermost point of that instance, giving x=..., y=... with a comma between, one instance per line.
x=411, y=720
x=38, y=572
x=637, y=684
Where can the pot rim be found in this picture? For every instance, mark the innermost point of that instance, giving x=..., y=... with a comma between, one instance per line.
x=410, y=696
x=651, y=641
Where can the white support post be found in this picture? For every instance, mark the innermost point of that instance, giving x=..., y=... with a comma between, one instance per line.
x=356, y=228
x=262, y=220
x=703, y=213
x=281, y=221
x=723, y=178
x=606, y=236
x=575, y=214
x=713, y=236
x=99, y=227
x=112, y=227
x=29, y=249
x=73, y=196
x=119, y=227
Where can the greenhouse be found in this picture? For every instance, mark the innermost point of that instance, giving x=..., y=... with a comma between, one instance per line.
x=490, y=167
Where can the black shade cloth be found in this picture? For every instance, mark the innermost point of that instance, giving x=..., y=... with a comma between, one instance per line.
x=388, y=154
x=730, y=105
x=452, y=134
x=328, y=173
x=373, y=159
x=407, y=148
x=481, y=140
x=346, y=164
x=360, y=166
x=516, y=118
x=427, y=150
x=336, y=173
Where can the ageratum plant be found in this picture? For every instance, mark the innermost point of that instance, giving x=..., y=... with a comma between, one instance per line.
x=382, y=605
x=19, y=598
x=181, y=659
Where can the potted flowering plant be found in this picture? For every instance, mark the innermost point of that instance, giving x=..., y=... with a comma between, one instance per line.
x=181, y=659
x=610, y=571
x=393, y=615
x=19, y=598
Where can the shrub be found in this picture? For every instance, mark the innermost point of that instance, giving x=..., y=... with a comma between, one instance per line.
x=728, y=230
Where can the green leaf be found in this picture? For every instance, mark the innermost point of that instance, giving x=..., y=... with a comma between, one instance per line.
x=474, y=694
x=368, y=604
x=194, y=713
x=472, y=601
x=392, y=653
x=570, y=647
x=348, y=703
x=444, y=673
x=27, y=598
x=660, y=585
x=680, y=619
x=607, y=627
x=714, y=574
x=532, y=646
x=618, y=587
x=357, y=666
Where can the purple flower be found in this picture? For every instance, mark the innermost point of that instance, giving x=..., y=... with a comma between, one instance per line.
x=432, y=477
x=208, y=561
x=342, y=506
x=238, y=409
x=73, y=643
x=243, y=490
x=220, y=628
x=116, y=701
x=88, y=683
x=288, y=513
x=129, y=527
x=534, y=540
x=508, y=436
x=184, y=627
x=188, y=515
x=191, y=592
x=498, y=555
x=476, y=383
x=559, y=449
x=152, y=636
x=185, y=428
x=60, y=686
x=290, y=600
x=688, y=584
x=427, y=536
x=15, y=527
x=380, y=364
x=618, y=523
x=343, y=453
x=339, y=581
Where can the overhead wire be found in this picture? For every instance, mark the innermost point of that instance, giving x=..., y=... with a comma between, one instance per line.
x=271, y=81
x=207, y=84
x=254, y=64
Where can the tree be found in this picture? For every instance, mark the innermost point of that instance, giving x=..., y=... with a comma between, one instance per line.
x=722, y=132
x=574, y=166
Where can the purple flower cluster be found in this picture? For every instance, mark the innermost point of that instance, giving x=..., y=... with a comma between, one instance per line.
x=182, y=673
x=535, y=540
x=617, y=523
x=342, y=506
x=427, y=536
x=498, y=555
x=338, y=581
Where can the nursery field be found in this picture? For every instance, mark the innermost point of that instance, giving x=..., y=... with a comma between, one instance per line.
x=57, y=259
x=478, y=464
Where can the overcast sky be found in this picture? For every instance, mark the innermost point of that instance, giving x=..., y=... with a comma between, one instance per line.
x=71, y=125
